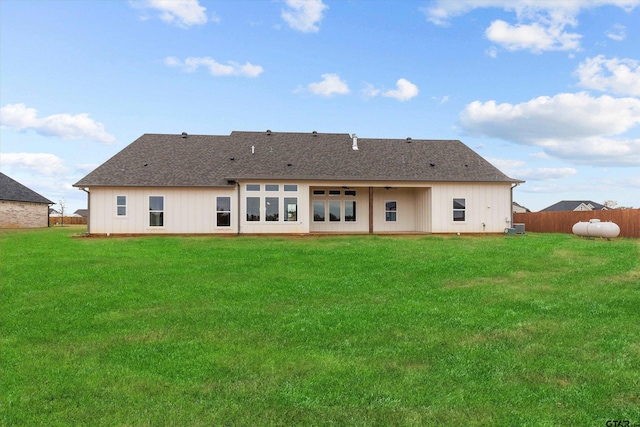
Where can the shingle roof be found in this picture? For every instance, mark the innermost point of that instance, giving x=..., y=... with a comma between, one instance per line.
x=570, y=205
x=205, y=160
x=12, y=190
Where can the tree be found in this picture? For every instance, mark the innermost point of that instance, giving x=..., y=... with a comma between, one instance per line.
x=610, y=204
x=63, y=204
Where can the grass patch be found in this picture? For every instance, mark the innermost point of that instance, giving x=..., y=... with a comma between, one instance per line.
x=351, y=330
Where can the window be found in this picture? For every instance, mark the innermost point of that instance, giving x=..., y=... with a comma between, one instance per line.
x=156, y=211
x=318, y=210
x=271, y=187
x=334, y=210
x=121, y=205
x=291, y=187
x=291, y=206
x=223, y=211
x=334, y=192
x=271, y=208
x=349, y=210
x=253, y=187
x=350, y=193
x=318, y=192
x=390, y=211
x=253, y=208
x=459, y=209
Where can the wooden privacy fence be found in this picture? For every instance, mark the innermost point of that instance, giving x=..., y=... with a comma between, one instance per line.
x=562, y=222
x=68, y=220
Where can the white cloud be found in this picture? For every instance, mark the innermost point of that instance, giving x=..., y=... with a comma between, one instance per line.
x=40, y=163
x=191, y=64
x=304, y=15
x=65, y=126
x=535, y=37
x=515, y=168
x=620, y=76
x=182, y=13
x=540, y=155
x=370, y=91
x=617, y=33
x=330, y=85
x=545, y=174
x=576, y=127
x=404, y=91
x=442, y=100
x=540, y=24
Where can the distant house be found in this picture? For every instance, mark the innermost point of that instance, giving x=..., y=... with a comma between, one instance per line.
x=84, y=213
x=517, y=208
x=575, y=205
x=21, y=207
x=281, y=182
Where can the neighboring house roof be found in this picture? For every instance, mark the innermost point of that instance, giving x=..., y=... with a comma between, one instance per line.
x=519, y=206
x=204, y=160
x=82, y=212
x=12, y=190
x=575, y=205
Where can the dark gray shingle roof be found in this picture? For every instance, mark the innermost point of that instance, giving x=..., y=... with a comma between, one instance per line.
x=570, y=205
x=12, y=190
x=204, y=160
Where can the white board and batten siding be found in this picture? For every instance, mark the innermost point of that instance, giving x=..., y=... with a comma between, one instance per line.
x=421, y=207
x=186, y=210
x=485, y=203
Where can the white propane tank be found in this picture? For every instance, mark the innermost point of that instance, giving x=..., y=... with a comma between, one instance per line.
x=595, y=228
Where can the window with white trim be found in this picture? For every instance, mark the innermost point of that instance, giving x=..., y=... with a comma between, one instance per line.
x=334, y=211
x=291, y=206
x=121, y=205
x=459, y=209
x=271, y=208
x=350, y=210
x=156, y=211
x=334, y=205
x=318, y=210
x=223, y=211
x=391, y=211
x=253, y=208
x=272, y=203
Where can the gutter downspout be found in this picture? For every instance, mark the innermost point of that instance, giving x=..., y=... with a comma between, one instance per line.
x=88, y=209
x=511, y=206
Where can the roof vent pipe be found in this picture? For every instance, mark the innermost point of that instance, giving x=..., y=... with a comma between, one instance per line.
x=253, y=149
x=354, y=144
x=184, y=134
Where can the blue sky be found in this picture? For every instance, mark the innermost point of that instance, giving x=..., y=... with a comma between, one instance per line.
x=548, y=91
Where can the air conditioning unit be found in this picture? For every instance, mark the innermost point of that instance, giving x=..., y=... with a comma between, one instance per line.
x=519, y=228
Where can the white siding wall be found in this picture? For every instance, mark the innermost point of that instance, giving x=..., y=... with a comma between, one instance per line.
x=423, y=210
x=485, y=203
x=406, y=210
x=422, y=207
x=186, y=210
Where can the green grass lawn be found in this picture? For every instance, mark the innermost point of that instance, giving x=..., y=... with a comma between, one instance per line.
x=534, y=330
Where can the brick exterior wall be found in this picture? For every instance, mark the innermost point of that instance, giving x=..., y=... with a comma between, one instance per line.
x=23, y=214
